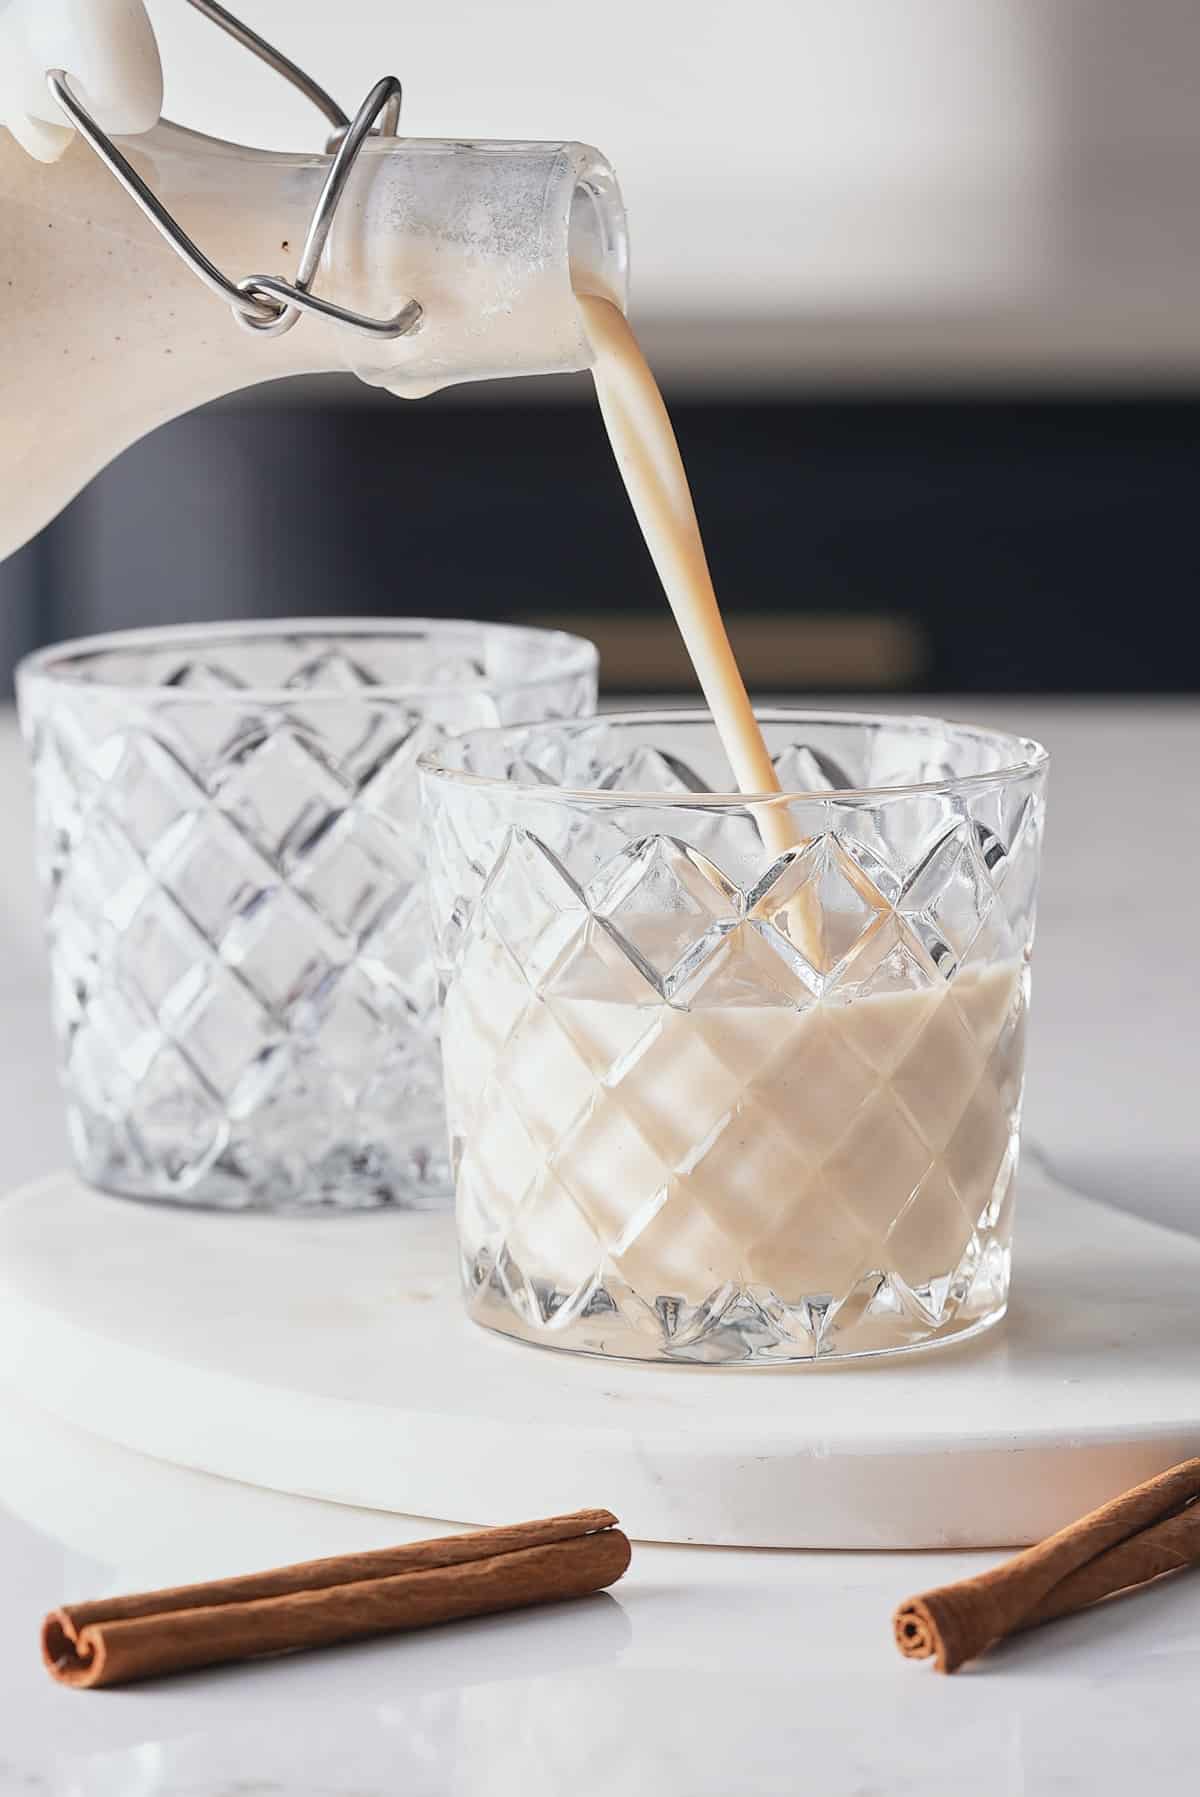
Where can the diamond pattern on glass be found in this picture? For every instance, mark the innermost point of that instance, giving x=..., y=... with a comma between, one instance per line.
x=668, y=904
x=690, y=1127
x=816, y=906
x=281, y=794
x=947, y=899
x=242, y=985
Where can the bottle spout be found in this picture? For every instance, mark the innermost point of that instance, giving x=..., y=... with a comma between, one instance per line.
x=597, y=235
x=493, y=240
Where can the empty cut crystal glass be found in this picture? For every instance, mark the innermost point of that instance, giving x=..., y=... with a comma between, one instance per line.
x=710, y=1101
x=229, y=841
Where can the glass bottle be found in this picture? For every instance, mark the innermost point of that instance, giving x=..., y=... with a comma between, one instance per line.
x=105, y=334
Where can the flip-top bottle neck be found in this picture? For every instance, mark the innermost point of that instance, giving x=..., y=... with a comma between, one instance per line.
x=493, y=240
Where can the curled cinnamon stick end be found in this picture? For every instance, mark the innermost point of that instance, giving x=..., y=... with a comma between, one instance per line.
x=948, y=1626
x=1138, y=1537
x=73, y=1656
x=322, y=1602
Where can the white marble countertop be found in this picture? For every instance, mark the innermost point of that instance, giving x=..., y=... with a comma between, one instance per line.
x=708, y=1671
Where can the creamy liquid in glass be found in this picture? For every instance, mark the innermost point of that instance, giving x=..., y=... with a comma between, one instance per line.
x=790, y=1150
x=792, y=1147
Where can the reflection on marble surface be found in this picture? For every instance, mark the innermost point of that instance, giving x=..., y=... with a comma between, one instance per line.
x=709, y=1671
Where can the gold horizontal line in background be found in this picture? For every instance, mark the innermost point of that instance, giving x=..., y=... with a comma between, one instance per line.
x=774, y=651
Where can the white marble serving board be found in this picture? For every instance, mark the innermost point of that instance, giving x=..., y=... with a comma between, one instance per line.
x=331, y=1357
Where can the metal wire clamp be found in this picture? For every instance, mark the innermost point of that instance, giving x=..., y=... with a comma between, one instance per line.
x=267, y=304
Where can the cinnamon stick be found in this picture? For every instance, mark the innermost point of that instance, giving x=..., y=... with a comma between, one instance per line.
x=320, y=1602
x=1136, y=1538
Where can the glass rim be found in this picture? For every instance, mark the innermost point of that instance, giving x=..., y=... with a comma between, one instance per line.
x=578, y=655
x=1031, y=757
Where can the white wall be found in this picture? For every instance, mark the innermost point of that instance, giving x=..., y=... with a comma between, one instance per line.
x=1023, y=169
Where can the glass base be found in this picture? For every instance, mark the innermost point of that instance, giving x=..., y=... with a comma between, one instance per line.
x=344, y=1180
x=880, y=1317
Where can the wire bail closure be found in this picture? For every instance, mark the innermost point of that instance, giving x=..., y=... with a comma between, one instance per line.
x=267, y=304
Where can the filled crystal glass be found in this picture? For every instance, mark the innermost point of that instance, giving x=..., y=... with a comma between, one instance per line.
x=229, y=841
x=730, y=1079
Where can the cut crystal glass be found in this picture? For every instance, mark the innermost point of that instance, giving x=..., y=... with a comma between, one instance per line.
x=231, y=852
x=712, y=1102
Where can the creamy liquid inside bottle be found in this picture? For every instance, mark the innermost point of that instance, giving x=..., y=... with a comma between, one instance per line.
x=105, y=334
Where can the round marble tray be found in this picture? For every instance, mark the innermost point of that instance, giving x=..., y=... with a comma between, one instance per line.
x=330, y=1357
